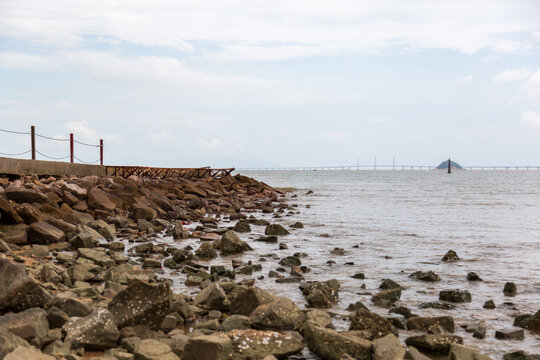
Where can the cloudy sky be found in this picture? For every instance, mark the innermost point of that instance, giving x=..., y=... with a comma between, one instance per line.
x=274, y=83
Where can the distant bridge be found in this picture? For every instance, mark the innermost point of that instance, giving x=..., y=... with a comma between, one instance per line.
x=394, y=167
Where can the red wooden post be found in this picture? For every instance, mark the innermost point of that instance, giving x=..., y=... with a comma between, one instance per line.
x=33, y=141
x=71, y=147
x=101, y=151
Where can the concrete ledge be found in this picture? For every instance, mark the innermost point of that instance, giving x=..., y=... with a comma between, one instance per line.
x=10, y=166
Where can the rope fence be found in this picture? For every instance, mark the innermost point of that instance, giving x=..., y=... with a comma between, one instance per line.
x=33, y=134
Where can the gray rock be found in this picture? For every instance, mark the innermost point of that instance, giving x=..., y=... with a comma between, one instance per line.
x=276, y=230
x=281, y=314
x=388, y=348
x=373, y=324
x=434, y=343
x=9, y=342
x=331, y=345
x=150, y=349
x=212, y=297
x=28, y=324
x=206, y=251
x=98, y=256
x=510, y=289
x=450, y=256
x=232, y=244
x=208, y=347
x=236, y=322
x=460, y=352
x=141, y=303
x=510, y=334
x=386, y=298
x=96, y=331
x=455, y=295
x=258, y=344
x=425, y=276
x=249, y=299
x=423, y=323
x=108, y=231
x=27, y=353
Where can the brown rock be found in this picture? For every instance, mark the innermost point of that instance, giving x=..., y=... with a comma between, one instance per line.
x=99, y=200
x=8, y=215
x=44, y=233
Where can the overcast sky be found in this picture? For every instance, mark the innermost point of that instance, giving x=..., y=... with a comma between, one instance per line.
x=274, y=83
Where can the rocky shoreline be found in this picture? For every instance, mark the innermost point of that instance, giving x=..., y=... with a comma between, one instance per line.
x=81, y=277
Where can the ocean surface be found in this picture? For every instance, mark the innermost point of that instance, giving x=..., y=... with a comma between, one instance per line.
x=392, y=223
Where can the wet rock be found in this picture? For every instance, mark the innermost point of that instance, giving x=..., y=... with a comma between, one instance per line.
x=423, y=323
x=490, y=304
x=315, y=317
x=321, y=293
x=450, y=256
x=425, y=276
x=9, y=342
x=331, y=345
x=359, y=276
x=99, y=200
x=206, y=251
x=401, y=310
x=268, y=239
x=208, y=347
x=281, y=314
x=43, y=233
x=96, y=331
x=434, y=343
x=388, y=348
x=510, y=334
x=297, y=225
x=480, y=332
x=388, y=284
x=141, y=303
x=510, y=289
x=232, y=244
x=455, y=295
x=242, y=226
x=413, y=354
x=251, y=343
x=437, y=305
x=236, y=322
x=27, y=353
x=18, y=291
x=150, y=349
x=472, y=276
x=28, y=324
x=520, y=355
x=276, y=230
x=212, y=297
x=8, y=214
x=386, y=298
x=179, y=232
x=460, y=352
x=373, y=324
x=533, y=324
x=290, y=261
x=249, y=299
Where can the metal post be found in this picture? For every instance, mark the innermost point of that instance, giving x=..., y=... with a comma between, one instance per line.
x=71, y=147
x=101, y=152
x=449, y=167
x=33, y=140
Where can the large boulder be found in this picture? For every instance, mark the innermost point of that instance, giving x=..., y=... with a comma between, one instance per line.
x=232, y=244
x=321, y=293
x=8, y=215
x=44, y=233
x=141, y=303
x=460, y=352
x=28, y=324
x=388, y=348
x=96, y=331
x=27, y=353
x=331, y=345
x=251, y=343
x=85, y=237
x=18, y=291
x=9, y=342
x=281, y=314
x=141, y=211
x=373, y=324
x=76, y=190
x=434, y=343
x=212, y=297
x=276, y=230
x=99, y=200
x=150, y=349
x=21, y=195
x=423, y=323
x=208, y=347
x=108, y=231
x=249, y=299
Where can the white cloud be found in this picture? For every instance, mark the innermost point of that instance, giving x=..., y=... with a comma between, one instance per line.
x=531, y=118
x=83, y=132
x=512, y=75
x=532, y=86
x=464, y=79
x=209, y=145
x=279, y=29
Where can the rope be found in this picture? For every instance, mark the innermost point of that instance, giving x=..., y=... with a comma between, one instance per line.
x=84, y=162
x=52, y=158
x=78, y=142
x=26, y=152
x=15, y=132
x=50, y=138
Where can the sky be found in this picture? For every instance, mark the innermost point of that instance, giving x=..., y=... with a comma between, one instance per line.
x=275, y=83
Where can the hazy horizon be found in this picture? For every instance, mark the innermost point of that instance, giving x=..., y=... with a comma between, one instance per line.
x=274, y=84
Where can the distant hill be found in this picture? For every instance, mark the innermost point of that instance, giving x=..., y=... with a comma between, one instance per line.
x=444, y=165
